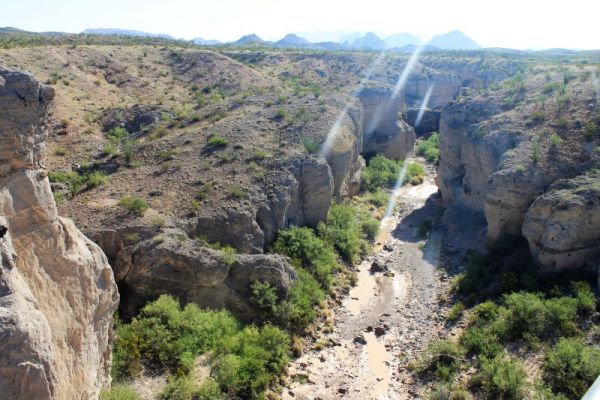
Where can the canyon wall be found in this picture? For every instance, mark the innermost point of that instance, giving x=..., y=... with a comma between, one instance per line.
x=57, y=292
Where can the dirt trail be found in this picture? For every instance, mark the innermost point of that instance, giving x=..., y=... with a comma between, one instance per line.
x=387, y=319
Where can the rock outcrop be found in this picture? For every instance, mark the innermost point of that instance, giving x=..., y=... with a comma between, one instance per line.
x=57, y=291
x=497, y=177
x=383, y=130
x=171, y=263
x=562, y=225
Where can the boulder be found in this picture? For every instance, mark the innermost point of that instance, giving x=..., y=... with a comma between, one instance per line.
x=57, y=291
x=171, y=263
x=383, y=129
x=561, y=225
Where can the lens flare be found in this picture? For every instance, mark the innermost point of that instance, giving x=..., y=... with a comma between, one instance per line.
x=335, y=128
x=424, y=105
x=408, y=68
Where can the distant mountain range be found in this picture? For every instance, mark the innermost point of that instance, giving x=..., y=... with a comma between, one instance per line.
x=454, y=40
x=125, y=32
x=400, y=42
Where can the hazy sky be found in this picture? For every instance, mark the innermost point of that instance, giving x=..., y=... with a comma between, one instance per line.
x=518, y=24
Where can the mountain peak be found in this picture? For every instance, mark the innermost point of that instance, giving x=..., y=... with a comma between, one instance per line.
x=454, y=40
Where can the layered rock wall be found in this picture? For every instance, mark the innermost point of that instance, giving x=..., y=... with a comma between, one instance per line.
x=57, y=292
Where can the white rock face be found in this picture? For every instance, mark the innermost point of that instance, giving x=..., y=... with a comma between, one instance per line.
x=57, y=291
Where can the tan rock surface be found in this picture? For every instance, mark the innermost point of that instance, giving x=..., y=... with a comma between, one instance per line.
x=57, y=291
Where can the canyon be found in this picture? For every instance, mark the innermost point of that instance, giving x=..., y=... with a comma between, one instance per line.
x=229, y=147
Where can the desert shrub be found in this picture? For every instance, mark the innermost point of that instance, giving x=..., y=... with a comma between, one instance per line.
x=96, y=179
x=380, y=172
x=77, y=182
x=209, y=390
x=178, y=388
x=430, y=148
x=529, y=315
x=455, y=312
x=370, y=228
x=298, y=311
x=60, y=151
x=109, y=149
x=502, y=377
x=119, y=392
x=415, y=174
x=248, y=362
x=264, y=297
x=217, y=141
x=309, y=251
x=342, y=231
x=571, y=367
x=135, y=205
x=117, y=134
x=164, y=336
x=228, y=255
x=280, y=113
x=556, y=140
x=310, y=145
x=441, y=356
x=590, y=130
x=586, y=301
x=478, y=275
x=481, y=341
x=378, y=198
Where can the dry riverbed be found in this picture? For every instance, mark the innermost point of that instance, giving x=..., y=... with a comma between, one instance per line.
x=388, y=318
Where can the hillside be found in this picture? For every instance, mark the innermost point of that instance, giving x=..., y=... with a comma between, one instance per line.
x=261, y=182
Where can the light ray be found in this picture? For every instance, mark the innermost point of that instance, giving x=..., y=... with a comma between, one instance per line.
x=333, y=132
x=424, y=105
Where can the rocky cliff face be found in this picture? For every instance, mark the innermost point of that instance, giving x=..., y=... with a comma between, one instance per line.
x=172, y=263
x=497, y=168
x=57, y=292
x=383, y=130
x=562, y=224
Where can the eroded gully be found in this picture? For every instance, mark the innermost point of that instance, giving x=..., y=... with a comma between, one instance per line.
x=387, y=319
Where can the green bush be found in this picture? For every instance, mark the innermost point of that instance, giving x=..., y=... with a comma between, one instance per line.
x=310, y=145
x=119, y=392
x=481, y=341
x=135, y=205
x=455, y=312
x=298, y=311
x=248, y=362
x=503, y=378
x=228, y=255
x=380, y=172
x=217, y=141
x=430, y=149
x=309, y=251
x=370, y=228
x=378, y=198
x=571, y=367
x=439, y=355
x=117, y=134
x=77, y=182
x=96, y=179
x=478, y=275
x=264, y=297
x=179, y=388
x=415, y=174
x=586, y=301
x=343, y=231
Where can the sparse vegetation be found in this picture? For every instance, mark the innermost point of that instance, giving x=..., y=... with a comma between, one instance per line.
x=430, y=148
x=135, y=205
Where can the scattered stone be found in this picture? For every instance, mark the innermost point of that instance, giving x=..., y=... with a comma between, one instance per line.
x=379, y=331
x=360, y=340
x=369, y=328
x=378, y=266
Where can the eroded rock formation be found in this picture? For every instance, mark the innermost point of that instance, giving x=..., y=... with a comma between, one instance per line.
x=57, y=292
x=383, y=130
x=497, y=178
x=562, y=224
x=172, y=263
